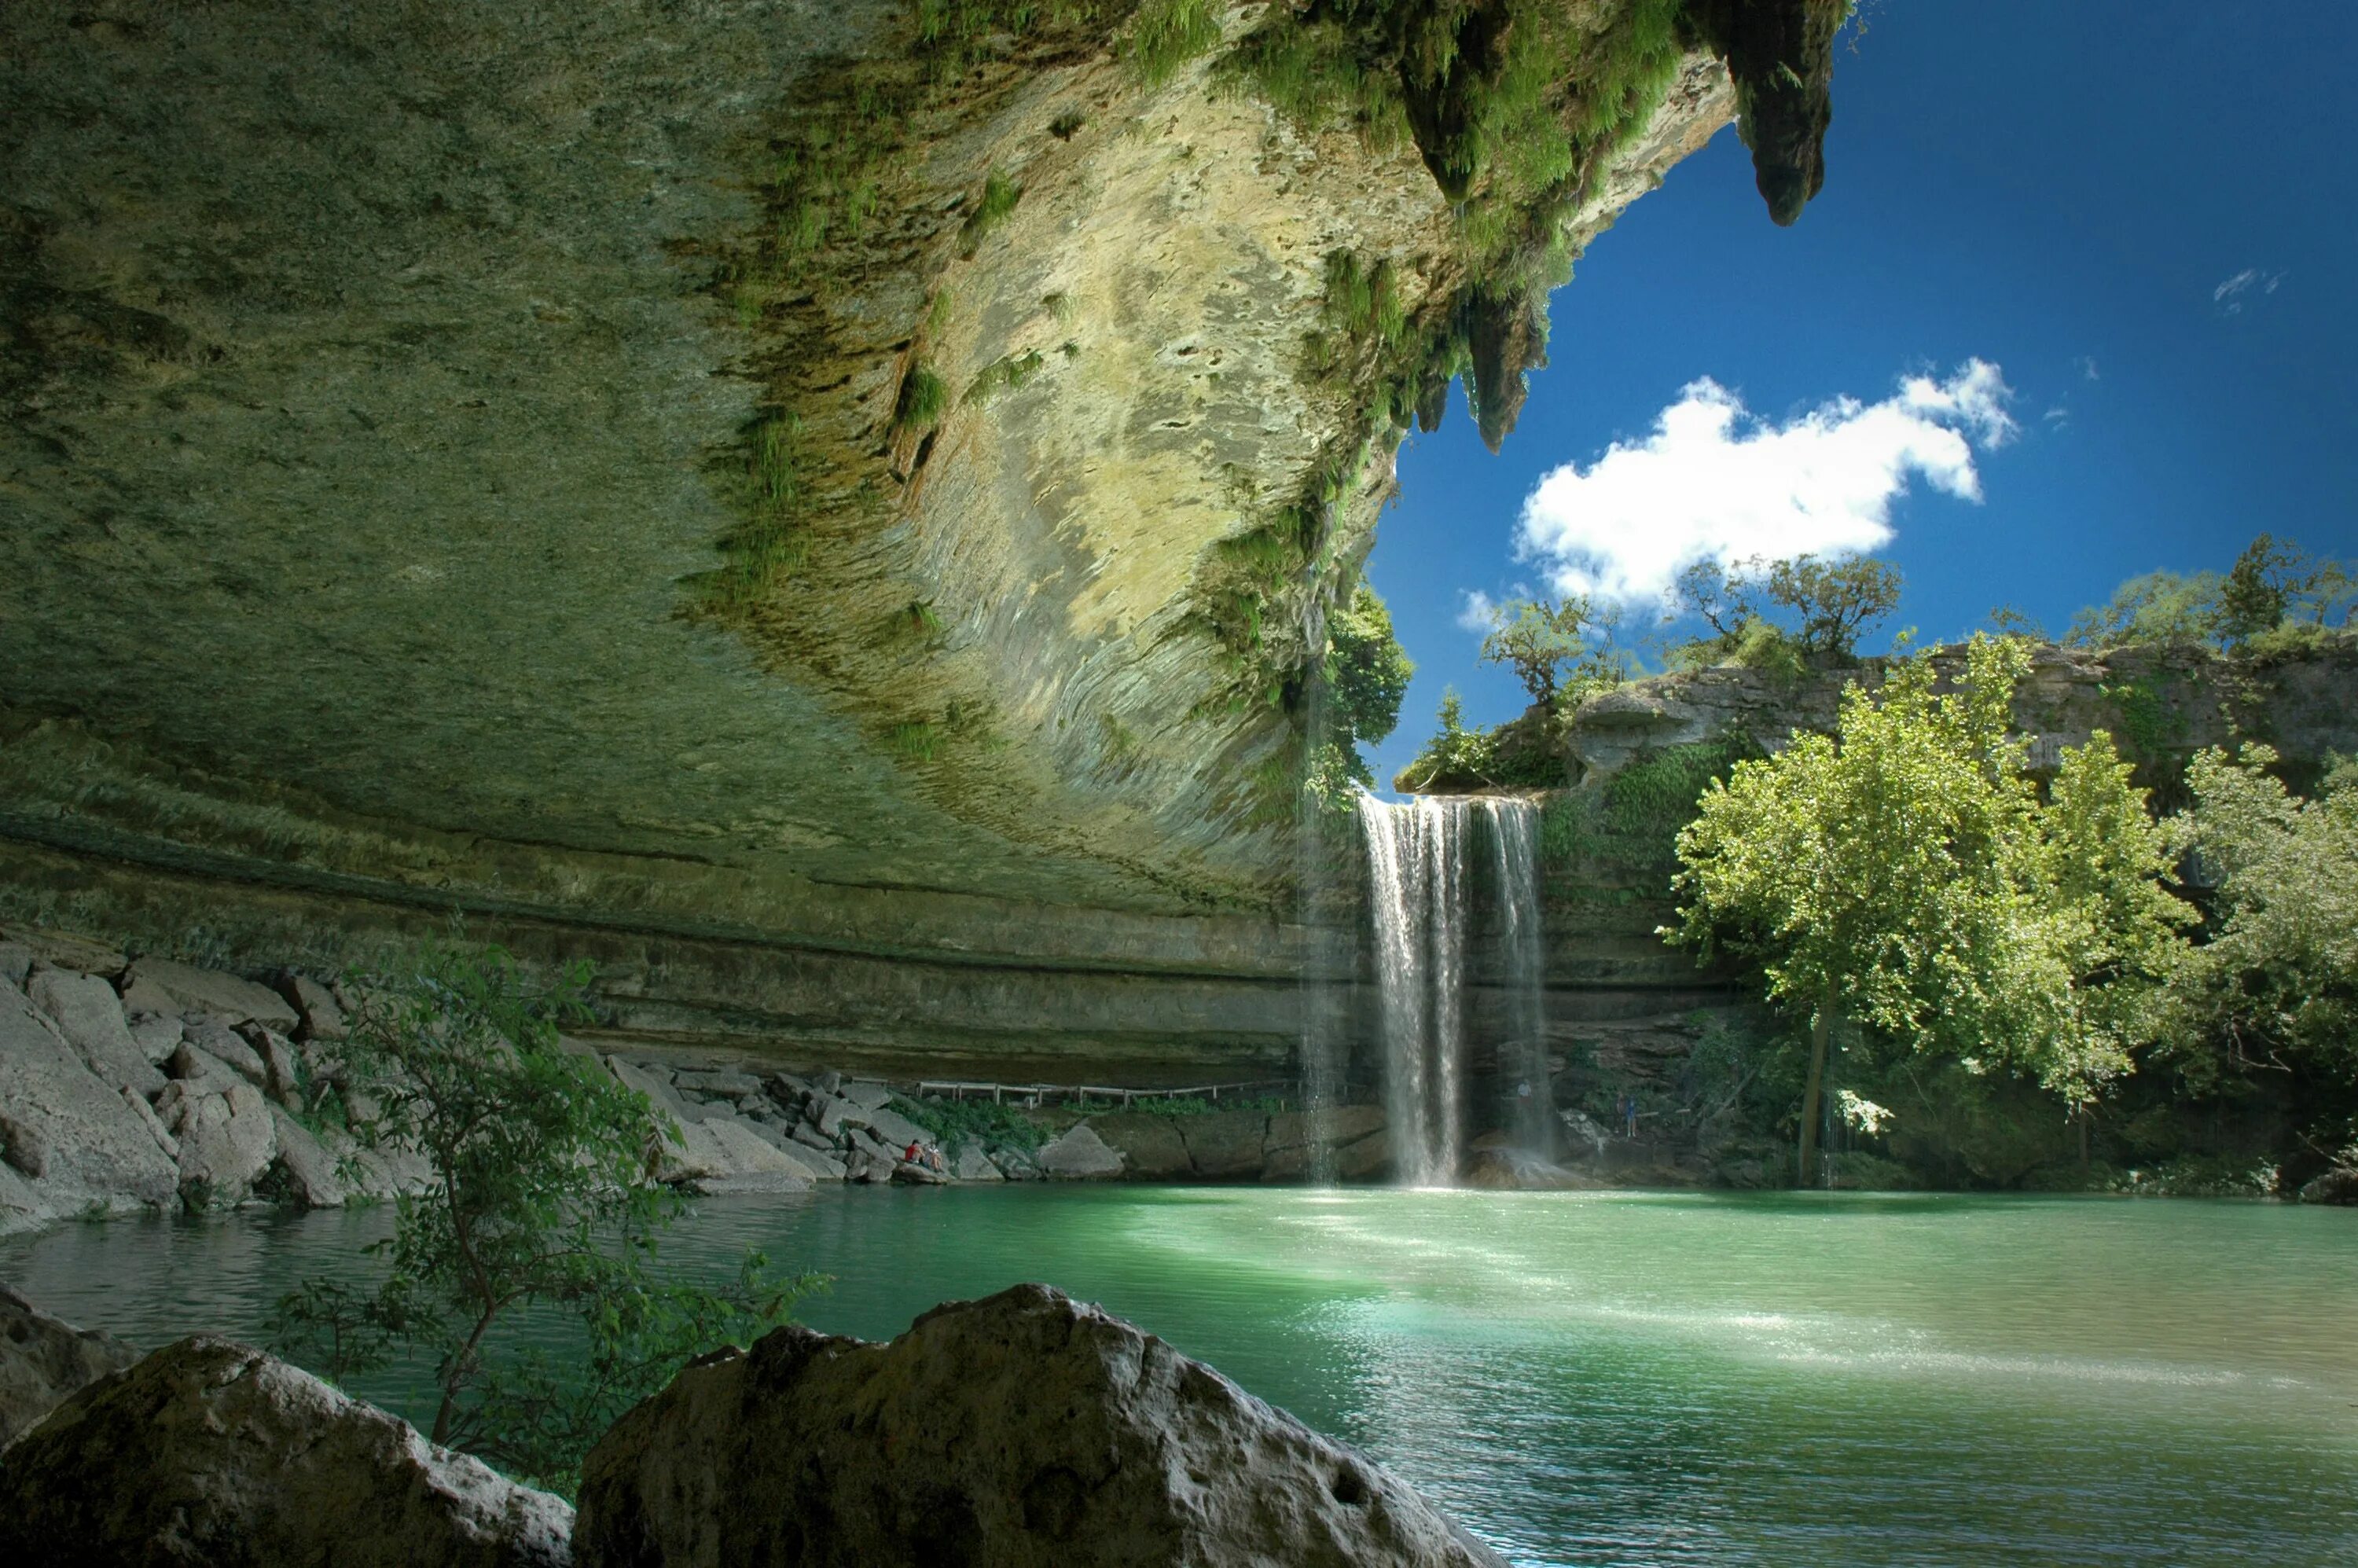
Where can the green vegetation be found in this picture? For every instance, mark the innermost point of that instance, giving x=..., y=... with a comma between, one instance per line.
x=1907, y=874
x=1006, y=373
x=1366, y=673
x=955, y=1123
x=995, y=206
x=1513, y=107
x=1167, y=33
x=2276, y=597
x=541, y=1201
x=923, y=398
x=2275, y=989
x=916, y=741
x=1542, y=640
x=1635, y=817
x=1783, y=616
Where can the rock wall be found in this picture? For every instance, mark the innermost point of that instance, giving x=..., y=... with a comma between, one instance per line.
x=475, y=458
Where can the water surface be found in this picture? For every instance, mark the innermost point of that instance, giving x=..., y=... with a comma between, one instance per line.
x=1605, y=1379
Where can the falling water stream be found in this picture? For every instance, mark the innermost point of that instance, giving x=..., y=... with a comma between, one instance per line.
x=1421, y=884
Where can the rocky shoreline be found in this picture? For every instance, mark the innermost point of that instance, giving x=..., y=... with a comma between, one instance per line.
x=1017, y=1429
x=137, y=1083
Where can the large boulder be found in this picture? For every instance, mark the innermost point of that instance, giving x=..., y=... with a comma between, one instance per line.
x=1225, y=1144
x=88, y=1013
x=1026, y=1428
x=317, y=1015
x=309, y=1173
x=66, y=1128
x=1078, y=1154
x=192, y=989
x=2338, y=1185
x=227, y=1139
x=1150, y=1145
x=42, y=1360
x=209, y=1452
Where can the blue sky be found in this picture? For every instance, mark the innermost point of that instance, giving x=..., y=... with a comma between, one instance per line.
x=2058, y=190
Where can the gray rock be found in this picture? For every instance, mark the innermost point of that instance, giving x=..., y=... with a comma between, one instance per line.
x=1225, y=1144
x=308, y=1170
x=910, y=1175
x=789, y=1090
x=828, y=1082
x=1025, y=1429
x=1150, y=1145
x=1305, y=1145
x=1079, y=1155
x=811, y=1138
x=157, y=1035
x=752, y=1164
x=230, y=1049
x=866, y=1093
x=897, y=1131
x=819, y=1167
x=66, y=1128
x=15, y=962
x=86, y=1011
x=226, y=1142
x=317, y=1016
x=972, y=1165
x=827, y=1113
x=209, y=1452
x=43, y=1361
x=282, y=1080
x=64, y=950
x=729, y=1086
x=205, y=1073
x=209, y=990
x=2338, y=1185
x=154, y=1123
x=21, y=1207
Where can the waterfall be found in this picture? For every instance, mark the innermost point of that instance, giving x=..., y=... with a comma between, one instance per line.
x=1420, y=908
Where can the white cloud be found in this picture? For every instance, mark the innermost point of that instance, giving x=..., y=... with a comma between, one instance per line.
x=1712, y=481
x=1477, y=614
x=2233, y=294
x=2087, y=364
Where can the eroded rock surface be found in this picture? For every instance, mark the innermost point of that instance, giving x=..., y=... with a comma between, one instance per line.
x=44, y=1359
x=1023, y=1429
x=211, y=1452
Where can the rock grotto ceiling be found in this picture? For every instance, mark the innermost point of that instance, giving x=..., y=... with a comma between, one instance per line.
x=820, y=508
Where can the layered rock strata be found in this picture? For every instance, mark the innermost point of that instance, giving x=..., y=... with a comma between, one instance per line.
x=827, y=514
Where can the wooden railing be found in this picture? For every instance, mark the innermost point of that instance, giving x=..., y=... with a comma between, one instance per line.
x=1034, y=1094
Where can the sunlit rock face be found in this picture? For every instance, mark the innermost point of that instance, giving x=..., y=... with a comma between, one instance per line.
x=432, y=483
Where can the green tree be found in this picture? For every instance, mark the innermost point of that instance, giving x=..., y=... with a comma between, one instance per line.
x=1366, y=670
x=540, y=1198
x=1836, y=600
x=1905, y=873
x=1830, y=604
x=1541, y=639
x=2275, y=989
x=1454, y=753
x=2274, y=581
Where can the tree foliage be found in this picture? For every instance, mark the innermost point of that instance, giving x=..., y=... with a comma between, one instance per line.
x=1905, y=873
x=2275, y=990
x=1541, y=639
x=1796, y=610
x=1366, y=670
x=2275, y=593
x=540, y=1198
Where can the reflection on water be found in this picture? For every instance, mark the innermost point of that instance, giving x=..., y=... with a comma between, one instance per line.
x=1604, y=1379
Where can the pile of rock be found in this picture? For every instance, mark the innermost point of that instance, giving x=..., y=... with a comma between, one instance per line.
x=745, y=1133
x=127, y=1084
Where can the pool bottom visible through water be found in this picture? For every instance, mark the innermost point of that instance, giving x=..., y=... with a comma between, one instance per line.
x=1598, y=1379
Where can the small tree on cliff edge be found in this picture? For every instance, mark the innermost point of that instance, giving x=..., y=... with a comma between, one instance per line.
x=1905, y=873
x=540, y=1197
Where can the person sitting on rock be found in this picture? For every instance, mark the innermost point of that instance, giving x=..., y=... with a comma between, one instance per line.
x=934, y=1161
x=913, y=1155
